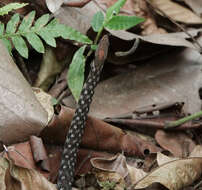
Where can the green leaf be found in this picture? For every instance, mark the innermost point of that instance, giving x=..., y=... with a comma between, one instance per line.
x=35, y=42
x=1, y=29
x=75, y=76
x=20, y=46
x=123, y=22
x=8, y=45
x=12, y=24
x=27, y=22
x=114, y=9
x=12, y=6
x=47, y=38
x=42, y=21
x=93, y=47
x=97, y=21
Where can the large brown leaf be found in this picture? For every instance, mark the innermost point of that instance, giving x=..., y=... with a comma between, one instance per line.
x=174, y=76
x=21, y=115
x=173, y=173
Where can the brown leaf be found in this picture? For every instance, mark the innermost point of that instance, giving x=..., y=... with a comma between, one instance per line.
x=174, y=174
x=178, y=143
x=20, y=112
x=96, y=132
x=152, y=84
x=39, y=153
x=18, y=178
x=177, y=12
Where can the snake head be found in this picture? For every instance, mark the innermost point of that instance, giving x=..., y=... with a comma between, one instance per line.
x=101, y=54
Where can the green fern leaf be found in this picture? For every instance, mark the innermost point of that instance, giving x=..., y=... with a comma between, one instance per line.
x=123, y=22
x=35, y=42
x=20, y=45
x=27, y=22
x=42, y=21
x=12, y=24
x=47, y=38
x=1, y=29
x=8, y=45
x=75, y=76
x=12, y=6
x=32, y=32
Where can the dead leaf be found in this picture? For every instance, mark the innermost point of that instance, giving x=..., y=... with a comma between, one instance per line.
x=96, y=132
x=179, y=144
x=195, y=5
x=18, y=178
x=20, y=112
x=152, y=84
x=176, y=11
x=49, y=68
x=174, y=174
x=54, y=5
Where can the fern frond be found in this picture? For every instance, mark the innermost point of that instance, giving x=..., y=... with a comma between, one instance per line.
x=17, y=32
x=12, y=6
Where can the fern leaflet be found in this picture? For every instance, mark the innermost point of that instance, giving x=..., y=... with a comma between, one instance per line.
x=17, y=32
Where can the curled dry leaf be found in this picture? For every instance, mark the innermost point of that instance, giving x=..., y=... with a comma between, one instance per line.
x=174, y=174
x=116, y=169
x=18, y=178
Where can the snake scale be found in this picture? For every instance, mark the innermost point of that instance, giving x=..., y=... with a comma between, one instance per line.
x=75, y=133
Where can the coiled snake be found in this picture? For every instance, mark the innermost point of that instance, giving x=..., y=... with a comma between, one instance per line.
x=75, y=133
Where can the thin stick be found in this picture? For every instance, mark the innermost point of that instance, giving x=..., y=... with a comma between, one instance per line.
x=179, y=122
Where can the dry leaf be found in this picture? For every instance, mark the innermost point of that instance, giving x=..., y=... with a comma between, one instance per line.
x=183, y=145
x=195, y=5
x=175, y=174
x=54, y=5
x=18, y=178
x=21, y=115
x=176, y=11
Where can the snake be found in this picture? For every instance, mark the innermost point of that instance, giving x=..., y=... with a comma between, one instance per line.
x=76, y=129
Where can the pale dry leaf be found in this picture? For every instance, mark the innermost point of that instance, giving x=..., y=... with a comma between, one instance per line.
x=176, y=11
x=195, y=5
x=197, y=152
x=21, y=115
x=50, y=67
x=46, y=101
x=175, y=174
x=135, y=174
x=171, y=39
x=54, y=5
x=27, y=179
x=163, y=159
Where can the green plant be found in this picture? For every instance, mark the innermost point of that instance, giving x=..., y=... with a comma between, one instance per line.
x=111, y=21
x=49, y=30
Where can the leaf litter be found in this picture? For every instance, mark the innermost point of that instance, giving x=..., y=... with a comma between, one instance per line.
x=115, y=152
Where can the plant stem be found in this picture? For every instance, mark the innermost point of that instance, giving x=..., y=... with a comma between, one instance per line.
x=96, y=40
x=179, y=122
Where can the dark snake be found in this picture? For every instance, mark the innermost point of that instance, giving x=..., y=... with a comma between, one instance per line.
x=75, y=133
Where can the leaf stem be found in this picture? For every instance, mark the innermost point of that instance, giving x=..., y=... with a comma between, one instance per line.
x=179, y=122
x=96, y=40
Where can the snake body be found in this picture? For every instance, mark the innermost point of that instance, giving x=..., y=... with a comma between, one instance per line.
x=75, y=133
